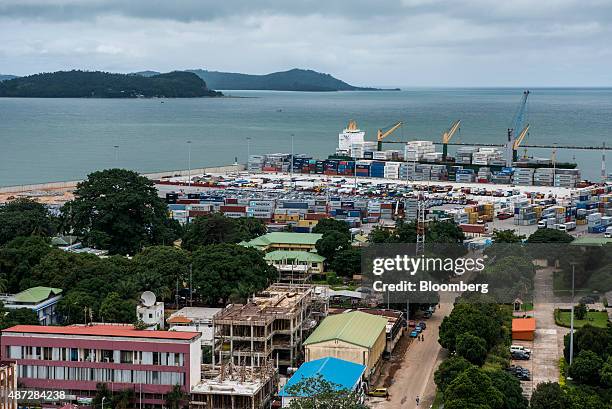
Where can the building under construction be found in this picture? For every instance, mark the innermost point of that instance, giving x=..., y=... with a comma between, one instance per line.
x=271, y=326
x=228, y=386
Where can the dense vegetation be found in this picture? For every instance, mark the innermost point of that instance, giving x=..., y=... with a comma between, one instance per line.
x=292, y=80
x=97, y=84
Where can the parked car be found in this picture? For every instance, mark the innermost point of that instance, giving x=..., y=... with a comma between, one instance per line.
x=379, y=392
x=520, y=348
x=414, y=334
x=423, y=325
x=519, y=355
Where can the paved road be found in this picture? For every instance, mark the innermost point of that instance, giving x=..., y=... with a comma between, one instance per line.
x=415, y=377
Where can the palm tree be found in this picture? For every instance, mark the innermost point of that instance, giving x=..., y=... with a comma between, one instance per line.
x=175, y=399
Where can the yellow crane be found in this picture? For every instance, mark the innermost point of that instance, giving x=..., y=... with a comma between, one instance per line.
x=447, y=135
x=380, y=135
x=517, y=142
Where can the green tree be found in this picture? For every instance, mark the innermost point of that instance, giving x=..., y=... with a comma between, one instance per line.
x=507, y=236
x=250, y=227
x=20, y=316
x=102, y=394
x=327, y=225
x=590, y=338
x=24, y=217
x=582, y=397
x=510, y=388
x=379, y=235
x=119, y=210
x=176, y=398
x=75, y=306
x=123, y=399
x=472, y=389
x=115, y=309
x=228, y=271
x=482, y=320
x=449, y=369
x=214, y=228
x=550, y=236
x=159, y=268
x=17, y=259
x=549, y=395
x=472, y=348
x=585, y=368
x=332, y=243
x=605, y=374
x=317, y=393
x=580, y=311
x=347, y=262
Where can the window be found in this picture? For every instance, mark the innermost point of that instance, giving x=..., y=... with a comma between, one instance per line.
x=156, y=358
x=74, y=354
x=47, y=353
x=107, y=355
x=126, y=357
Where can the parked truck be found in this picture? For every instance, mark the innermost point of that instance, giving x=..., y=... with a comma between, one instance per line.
x=569, y=226
x=608, y=232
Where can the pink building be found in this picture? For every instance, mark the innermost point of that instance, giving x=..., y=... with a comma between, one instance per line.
x=76, y=358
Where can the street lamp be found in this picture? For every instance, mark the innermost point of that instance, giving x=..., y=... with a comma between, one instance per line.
x=292, y=158
x=572, y=318
x=189, y=161
x=248, y=139
x=103, y=398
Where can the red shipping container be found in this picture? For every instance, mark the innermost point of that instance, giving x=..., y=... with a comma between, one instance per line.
x=234, y=209
x=473, y=228
x=315, y=216
x=386, y=205
x=231, y=200
x=188, y=201
x=197, y=213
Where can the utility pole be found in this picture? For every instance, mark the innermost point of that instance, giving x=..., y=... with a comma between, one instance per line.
x=292, y=159
x=191, y=284
x=572, y=318
x=248, y=140
x=189, y=160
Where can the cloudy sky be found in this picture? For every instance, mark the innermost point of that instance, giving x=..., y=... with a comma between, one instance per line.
x=375, y=42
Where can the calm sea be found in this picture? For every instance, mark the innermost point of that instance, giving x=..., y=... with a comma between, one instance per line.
x=62, y=139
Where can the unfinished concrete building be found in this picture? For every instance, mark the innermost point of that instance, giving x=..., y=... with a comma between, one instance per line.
x=272, y=325
x=235, y=387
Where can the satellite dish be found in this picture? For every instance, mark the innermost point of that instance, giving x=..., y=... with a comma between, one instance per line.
x=147, y=299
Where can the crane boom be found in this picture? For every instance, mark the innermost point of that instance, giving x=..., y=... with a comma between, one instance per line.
x=447, y=136
x=380, y=135
x=517, y=123
x=517, y=143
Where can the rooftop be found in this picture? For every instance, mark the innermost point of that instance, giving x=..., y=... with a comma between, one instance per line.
x=356, y=327
x=195, y=314
x=591, y=241
x=283, y=238
x=36, y=295
x=523, y=324
x=340, y=373
x=102, y=330
x=305, y=256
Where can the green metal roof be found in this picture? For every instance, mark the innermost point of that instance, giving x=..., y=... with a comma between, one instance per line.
x=591, y=241
x=305, y=256
x=283, y=238
x=35, y=295
x=355, y=327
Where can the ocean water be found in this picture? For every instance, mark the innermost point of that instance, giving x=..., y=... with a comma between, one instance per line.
x=43, y=140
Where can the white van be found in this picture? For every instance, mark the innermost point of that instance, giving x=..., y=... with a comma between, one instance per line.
x=520, y=348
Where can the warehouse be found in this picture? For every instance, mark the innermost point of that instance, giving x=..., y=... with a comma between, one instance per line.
x=355, y=336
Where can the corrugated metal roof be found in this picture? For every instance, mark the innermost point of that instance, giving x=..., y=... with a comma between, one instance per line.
x=284, y=238
x=340, y=373
x=279, y=255
x=358, y=328
x=523, y=324
x=35, y=295
x=591, y=241
x=104, y=330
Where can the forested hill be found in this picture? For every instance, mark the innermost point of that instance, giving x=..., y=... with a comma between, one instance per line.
x=292, y=80
x=5, y=77
x=97, y=84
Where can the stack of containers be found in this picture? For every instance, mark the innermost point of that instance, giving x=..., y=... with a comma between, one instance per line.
x=464, y=175
x=523, y=176
x=233, y=211
x=346, y=167
x=360, y=149
x=319, y=167
x=261, y=209
x=320, y=206
x=379, y=155
x=196, y=210
x=452, y=173
x=567, y=177
x=391, y=170
x=394, y=155
x=595, y=224
x=377, y=169
x=386, y=210
x=407, y=171
x=255, y=163
x=525, y=213
x=484, y=175
x=544, y=177
x=411, y=208
x=432, y=157
x=438, y=173
x=423, y=172
x=363, y=168
x=374, y=210
x=504, y=176
x=464, y=154
x=331, y=167
x=472, y=214
x=414, y=150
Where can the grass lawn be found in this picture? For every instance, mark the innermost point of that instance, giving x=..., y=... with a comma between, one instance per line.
x=594, y=318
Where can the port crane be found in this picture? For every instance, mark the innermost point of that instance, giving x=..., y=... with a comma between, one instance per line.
x=382, y=134
x=447, y=136
x=517, y=126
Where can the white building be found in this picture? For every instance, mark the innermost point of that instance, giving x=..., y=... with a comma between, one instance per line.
x=150, y=312
x=194, y=319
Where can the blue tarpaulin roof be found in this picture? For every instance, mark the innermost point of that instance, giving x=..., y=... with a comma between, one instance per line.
x=342, y=374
